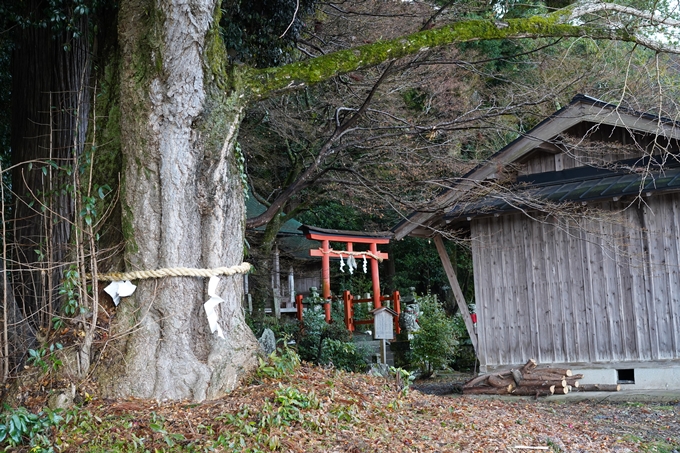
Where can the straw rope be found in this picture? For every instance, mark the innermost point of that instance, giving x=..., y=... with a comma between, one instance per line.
x=345, y=252
x=242, y=268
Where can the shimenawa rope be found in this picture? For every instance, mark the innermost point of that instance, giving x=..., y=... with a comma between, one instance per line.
x=242, y=268
x=345, y=252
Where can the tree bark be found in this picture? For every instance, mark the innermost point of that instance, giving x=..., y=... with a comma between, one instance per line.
x=182, y=205
x=534, y=391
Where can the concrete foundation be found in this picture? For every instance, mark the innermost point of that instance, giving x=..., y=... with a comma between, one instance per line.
x=633, y=378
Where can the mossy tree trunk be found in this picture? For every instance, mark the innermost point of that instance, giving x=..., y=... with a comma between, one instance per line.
x=182, y=205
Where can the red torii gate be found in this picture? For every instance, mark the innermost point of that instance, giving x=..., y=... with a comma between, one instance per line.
x=350, y=238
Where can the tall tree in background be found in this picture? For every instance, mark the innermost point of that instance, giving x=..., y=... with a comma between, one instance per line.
x=179, y=96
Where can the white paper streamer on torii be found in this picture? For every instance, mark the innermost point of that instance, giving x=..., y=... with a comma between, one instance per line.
x=120, y=289
x=210, y=305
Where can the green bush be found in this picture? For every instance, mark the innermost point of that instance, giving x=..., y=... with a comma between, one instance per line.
x=20, y=427
x=316, y=330
x=343, y=355
x=282, y=328
x=323, y=343
x=282, y=362
x=436, y=343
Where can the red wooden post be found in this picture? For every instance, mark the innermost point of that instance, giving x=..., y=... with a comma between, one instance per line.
x=397, y=307
x=375, y=277
x=349, y=312
x=298, y=305
x=326, y=277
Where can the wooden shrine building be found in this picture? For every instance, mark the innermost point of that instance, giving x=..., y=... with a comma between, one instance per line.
x=575, y=236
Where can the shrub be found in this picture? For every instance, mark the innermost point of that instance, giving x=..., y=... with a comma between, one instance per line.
x=282, y=328
x=325, y=344
x=344, y=355
x=282, y=362
x=435, y=344
x=20, y=427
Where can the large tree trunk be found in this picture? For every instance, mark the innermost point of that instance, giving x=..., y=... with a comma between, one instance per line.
x=182, y=205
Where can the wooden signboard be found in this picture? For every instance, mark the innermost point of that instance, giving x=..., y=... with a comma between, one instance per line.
x=383, y=323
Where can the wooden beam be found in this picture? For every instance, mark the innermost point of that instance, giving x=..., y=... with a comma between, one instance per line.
x=338, y=253
x=343, y=238
x=457, y=292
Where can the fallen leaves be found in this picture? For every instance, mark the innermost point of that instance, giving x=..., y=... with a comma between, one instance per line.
x=322, y=410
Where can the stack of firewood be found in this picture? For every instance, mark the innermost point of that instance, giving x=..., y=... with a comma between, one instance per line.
x=529, y=380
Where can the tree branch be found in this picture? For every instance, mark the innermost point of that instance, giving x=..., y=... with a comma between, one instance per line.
x=261, y=83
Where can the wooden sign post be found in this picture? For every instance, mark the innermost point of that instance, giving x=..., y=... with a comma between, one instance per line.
x=383, y=328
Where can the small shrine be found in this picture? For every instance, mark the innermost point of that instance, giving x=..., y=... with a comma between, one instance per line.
x=350, y=259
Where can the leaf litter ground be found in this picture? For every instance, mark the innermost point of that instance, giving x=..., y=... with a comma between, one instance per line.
x=325, y=410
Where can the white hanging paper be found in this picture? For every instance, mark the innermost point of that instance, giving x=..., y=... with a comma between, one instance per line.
x=120, y=289
x=342, y=263
x=210, y=305
x=365, y=265
x=351, y=264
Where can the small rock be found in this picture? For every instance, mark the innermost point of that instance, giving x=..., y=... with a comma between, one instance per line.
x=379, y=369
x=63, y=399
x=267, y=342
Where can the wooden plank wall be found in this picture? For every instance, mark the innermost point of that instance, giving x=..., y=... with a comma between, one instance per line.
x=605, y=291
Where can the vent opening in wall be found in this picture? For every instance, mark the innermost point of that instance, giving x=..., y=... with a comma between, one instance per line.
x=625, y=376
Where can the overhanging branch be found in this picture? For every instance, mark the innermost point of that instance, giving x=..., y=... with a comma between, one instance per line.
x=261, y=83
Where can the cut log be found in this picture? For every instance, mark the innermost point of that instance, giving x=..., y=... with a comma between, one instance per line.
x=517, y=376
x=536, y=383
x=574, y=382
x=534, y=391
x=562, y=371
x=484, y=391
x=561, y=390
x=479, y=380
x=495, y=380
x=527, y=367
x=541, y=375
x=599, y=388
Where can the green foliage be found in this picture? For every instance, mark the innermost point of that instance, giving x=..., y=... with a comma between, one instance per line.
x=281, y=362
x=324, y=344
x=20, y=427
x=337, y=215
x=290, y=404
x=282, y=328
x=344, y=355
x=403, y=377
x=315, y=330
x=418, y=265
x=253, y=32
x=415, y=98
x=435, y=344
x=70, y=290
x=157, y=425
x=45, y=358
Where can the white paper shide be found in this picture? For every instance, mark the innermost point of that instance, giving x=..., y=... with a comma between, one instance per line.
x=210, y=306
x=120, y=289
